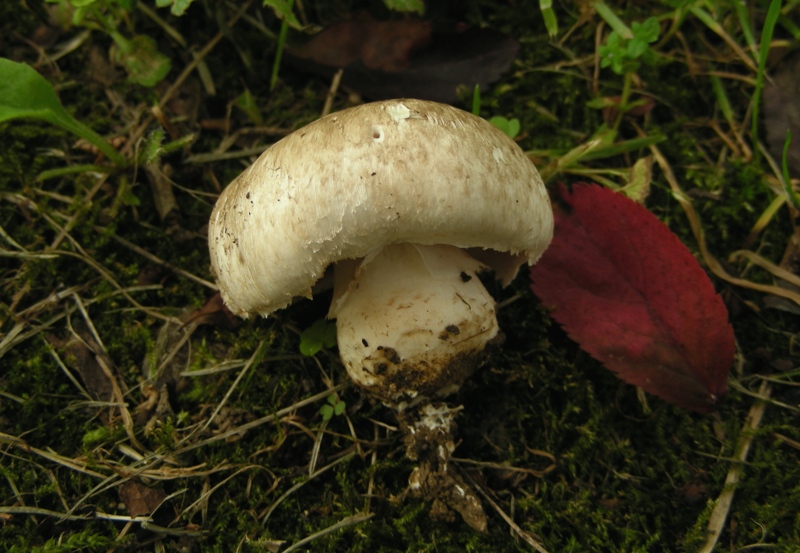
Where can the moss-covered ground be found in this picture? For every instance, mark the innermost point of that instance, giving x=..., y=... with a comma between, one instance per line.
x=120, y=398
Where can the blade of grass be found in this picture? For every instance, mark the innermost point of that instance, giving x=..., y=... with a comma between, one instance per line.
x=624, y=147
x=787, y=182
x=476, y=101
x=722, y=99
x=550, y=21
x=71, y=170
x=775, y=270
x=765, y=218
x=745, y=23
x=712, y=24
x=568, y=159
x=790, y=26
x=344, y=523
x=613, y=21
x=279, y=48
x=716, y=522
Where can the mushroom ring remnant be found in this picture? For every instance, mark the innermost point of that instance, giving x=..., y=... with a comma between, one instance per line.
x=409, y=199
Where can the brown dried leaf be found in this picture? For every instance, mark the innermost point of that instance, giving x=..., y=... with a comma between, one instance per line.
x=409, y=58
x=140, y=500
x=383, y=45
x=214, y=312
x=81, y=359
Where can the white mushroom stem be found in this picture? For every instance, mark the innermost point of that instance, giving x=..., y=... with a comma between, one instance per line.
x=412, y=321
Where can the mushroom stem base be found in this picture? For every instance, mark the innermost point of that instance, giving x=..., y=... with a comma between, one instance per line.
x=429, y=437
x=412, y=321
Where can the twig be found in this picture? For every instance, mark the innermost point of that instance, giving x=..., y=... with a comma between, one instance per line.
x=272, y=418
x=299, y=485
x=63, y=232
x=719, y=515
x=83, y=256
x=315, y=449
x=344, y=523
x=505, y=466
x=203, y=499
x=777, y=271
x=146, y=522
x=257, y=355
x=50, y=456
x=337, y=78
x=514, y=526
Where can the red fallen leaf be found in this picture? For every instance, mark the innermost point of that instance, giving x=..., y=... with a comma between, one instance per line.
x=626, y=289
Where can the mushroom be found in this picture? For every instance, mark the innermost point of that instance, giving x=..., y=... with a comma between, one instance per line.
x=409, y=199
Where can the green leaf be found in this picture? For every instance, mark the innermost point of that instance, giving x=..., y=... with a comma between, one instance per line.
x=142, y=60
x=321, y=333
x=636, y=48
x=509, y=126
x=152, y=146
x=333, y=407
x=24, y=94
x=129, y=198
x=97, y=435
x=406, y=6
x=177, y=144
x=326, y=411
x=601, y=103
x=247, y=102
x=621, y=54
x=309, y=347
x=338, y=409
x=550, y=21
x=283, y=9
x=178, y=8
x=647, y=31
x=641, y=174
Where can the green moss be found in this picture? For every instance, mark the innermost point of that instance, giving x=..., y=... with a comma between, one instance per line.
x=626, y=478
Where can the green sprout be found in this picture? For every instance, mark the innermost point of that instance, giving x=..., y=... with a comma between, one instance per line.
x=333, y=407
x=623, y=55
x=508, y=126
x=139, y=55
x=624, y=50
x=177, y=7
x=96, y=436
x=320, y=334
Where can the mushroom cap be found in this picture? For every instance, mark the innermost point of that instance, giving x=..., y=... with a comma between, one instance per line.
x=360, y=179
